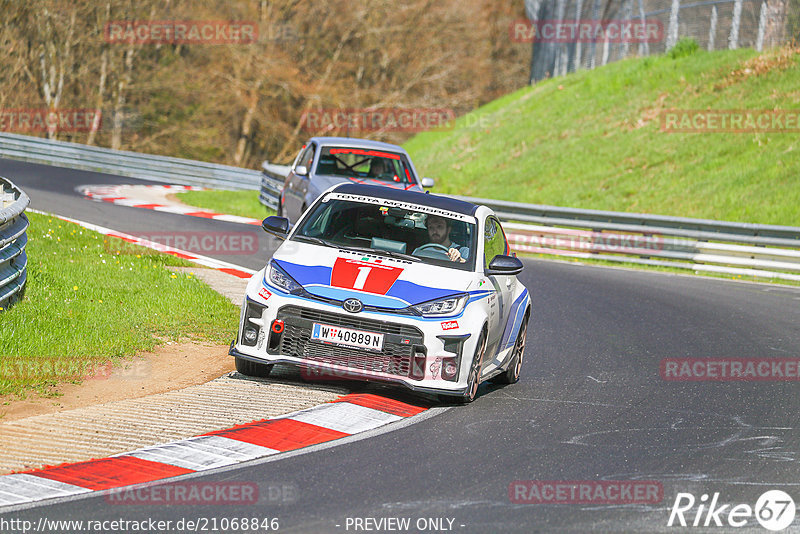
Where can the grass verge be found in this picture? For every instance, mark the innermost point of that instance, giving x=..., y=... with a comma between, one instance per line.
x=594, y=139
x=91, y=300
x=241, y=203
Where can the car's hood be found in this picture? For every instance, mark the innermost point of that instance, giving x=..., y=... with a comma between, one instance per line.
x=324, y=181
x=375, y=280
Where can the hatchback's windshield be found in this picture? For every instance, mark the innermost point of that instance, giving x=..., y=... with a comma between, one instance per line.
x=365, y=164
x=407, y=231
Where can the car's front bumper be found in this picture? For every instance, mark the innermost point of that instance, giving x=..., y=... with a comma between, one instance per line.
x=413, y=353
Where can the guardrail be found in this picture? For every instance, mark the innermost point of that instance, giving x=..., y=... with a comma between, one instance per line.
x=696, y=244
x=272, y=178
x=123, y=163
x=13, y=239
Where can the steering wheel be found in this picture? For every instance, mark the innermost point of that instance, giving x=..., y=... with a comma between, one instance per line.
x=435, y=247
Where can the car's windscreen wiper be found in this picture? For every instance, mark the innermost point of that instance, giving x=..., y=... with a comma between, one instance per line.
x=389, y=253
x=315, y=240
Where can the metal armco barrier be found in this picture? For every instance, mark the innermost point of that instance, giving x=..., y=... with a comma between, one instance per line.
x=123, y=163
x=13, y=239
x=696, y=244
x=272, y=178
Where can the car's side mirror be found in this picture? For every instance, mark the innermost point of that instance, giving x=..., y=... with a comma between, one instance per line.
x=277, y=226
x=301, y=170
x=504, y=265
x=428, y=182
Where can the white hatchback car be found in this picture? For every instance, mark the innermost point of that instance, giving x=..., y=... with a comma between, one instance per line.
x=388, y=285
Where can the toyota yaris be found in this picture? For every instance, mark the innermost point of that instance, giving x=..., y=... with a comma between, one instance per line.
x=389, y=285
x=326, y=161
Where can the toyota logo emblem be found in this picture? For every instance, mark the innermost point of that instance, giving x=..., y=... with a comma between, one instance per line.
x=353, y=305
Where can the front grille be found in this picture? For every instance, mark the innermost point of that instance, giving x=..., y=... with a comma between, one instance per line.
x=349, y=321
x=395, y=358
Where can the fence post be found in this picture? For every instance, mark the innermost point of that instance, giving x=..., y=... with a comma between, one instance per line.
x=733, y=39
x=644, y=46
x=576, y=62
x=593, y=47
x=560, y=67
x=672, y=31
x=712, y=30
x=627, y=16
x=762, y=25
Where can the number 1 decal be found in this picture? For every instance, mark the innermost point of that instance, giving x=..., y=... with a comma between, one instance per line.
x=361, y=279
x=362, y=276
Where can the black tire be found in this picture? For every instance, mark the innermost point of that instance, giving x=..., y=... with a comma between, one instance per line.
x=511, y=375
x=250, y=368
x=473, y=381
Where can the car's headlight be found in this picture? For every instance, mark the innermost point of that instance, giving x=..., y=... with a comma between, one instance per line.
x=280, y=279
x=440, y=307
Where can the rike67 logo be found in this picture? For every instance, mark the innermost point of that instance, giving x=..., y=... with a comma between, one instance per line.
x=774, y=510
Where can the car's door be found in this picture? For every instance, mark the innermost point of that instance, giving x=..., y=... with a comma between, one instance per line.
x=495, y=244
x=297, y=184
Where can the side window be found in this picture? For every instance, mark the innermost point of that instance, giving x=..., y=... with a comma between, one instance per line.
x=307, y=157
x=494, y=241
x=297, y=158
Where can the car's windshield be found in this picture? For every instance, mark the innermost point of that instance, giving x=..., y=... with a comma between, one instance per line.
x=414, y=232
x=365, y=164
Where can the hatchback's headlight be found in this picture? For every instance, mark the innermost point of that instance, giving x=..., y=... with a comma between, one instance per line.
x=280, y=279
x=440, y=307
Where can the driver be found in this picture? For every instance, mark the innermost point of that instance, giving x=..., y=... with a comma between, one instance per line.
x=439, y=234
x=377, y=167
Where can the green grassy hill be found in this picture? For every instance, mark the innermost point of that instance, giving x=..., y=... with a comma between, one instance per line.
x=593, y=139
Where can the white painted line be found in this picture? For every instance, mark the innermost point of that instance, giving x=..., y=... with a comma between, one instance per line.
x=202, y=453
x=142, y=195
x=345, y=417
x=181, y=210
x=20, y=488
x=235, y=219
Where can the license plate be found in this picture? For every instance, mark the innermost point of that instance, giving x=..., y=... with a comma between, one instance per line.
x=346, y=336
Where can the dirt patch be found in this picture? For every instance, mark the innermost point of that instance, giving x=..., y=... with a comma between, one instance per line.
x=779, y=60
x=171, y=366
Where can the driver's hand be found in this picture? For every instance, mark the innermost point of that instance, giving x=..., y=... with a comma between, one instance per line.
x=455, y=255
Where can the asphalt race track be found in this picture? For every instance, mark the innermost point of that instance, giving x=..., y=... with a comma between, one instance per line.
x=591, y=405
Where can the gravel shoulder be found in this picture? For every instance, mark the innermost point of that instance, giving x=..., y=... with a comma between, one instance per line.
x=179, y=391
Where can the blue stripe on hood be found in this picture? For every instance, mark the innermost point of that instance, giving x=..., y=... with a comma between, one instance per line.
x=404, y=290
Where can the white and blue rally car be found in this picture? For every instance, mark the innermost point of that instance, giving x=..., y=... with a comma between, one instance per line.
x=389, y=285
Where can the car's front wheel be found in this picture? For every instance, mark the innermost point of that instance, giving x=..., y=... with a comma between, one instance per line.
x=251, y=368
x=474, y=378
x=511, y=375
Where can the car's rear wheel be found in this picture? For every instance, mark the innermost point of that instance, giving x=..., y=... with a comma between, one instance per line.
x=251, y=368
x=511, y=375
